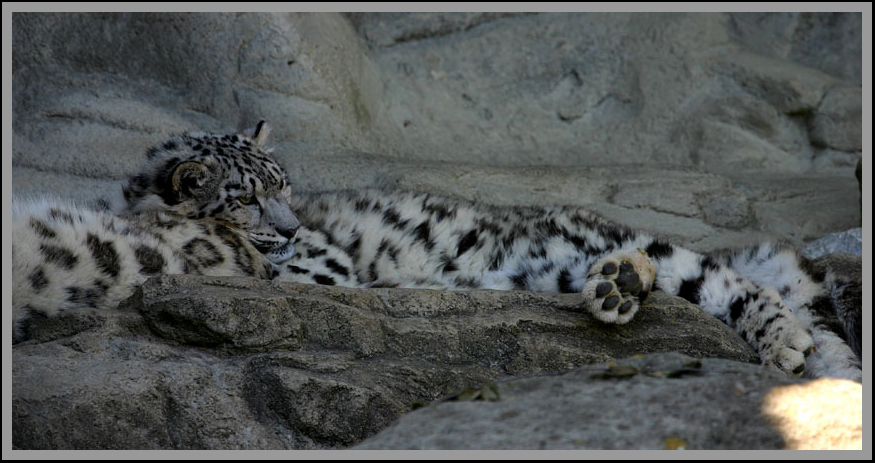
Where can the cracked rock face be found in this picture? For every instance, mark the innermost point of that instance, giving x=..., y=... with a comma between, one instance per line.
x=711, y=130
x=680, y=402
x=206, y=362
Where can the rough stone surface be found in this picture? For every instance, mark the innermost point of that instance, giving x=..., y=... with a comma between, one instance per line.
x=850, y=242
x=838, y=121
x=206, y=362
x=829, y=42
x=678, y=402
x=713, y=130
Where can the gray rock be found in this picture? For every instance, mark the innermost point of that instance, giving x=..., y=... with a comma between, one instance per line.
x=838, y=121
x=389, y=29
x=676, y=124
x=536, y=89
x=829, y=42
x=88, y=83
x=849, y=241
x=797, y=208
x=204, y=362
x=651, y=402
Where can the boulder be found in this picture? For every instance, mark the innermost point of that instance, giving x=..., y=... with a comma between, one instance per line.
x=849, y=242
x=192, y=362
x=663, y=401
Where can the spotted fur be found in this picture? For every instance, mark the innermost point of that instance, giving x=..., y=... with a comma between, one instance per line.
x=201, y=203
x=220, y=205
x=418, y=240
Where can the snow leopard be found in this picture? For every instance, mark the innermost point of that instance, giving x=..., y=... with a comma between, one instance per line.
x=772, y=296
x=201, y=203
x=222, y=205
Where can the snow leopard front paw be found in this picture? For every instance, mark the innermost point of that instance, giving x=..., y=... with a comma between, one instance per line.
x=790, y=352
x=617, y=284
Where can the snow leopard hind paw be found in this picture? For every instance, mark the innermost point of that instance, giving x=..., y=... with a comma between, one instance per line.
x=617, y=284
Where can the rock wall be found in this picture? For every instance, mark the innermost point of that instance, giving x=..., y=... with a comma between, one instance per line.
x=709, y=129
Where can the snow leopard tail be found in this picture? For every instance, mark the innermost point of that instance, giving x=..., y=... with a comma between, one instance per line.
x=841, y=309
x=65, y=256
x=847, y=297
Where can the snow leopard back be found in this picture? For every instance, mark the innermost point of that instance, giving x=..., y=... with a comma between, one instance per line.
x=407, y=238
x=768, y=294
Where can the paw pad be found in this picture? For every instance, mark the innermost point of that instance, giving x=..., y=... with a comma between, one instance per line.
x=616, y=284
x=628, y=281
x=610, y=302
x=603, y=289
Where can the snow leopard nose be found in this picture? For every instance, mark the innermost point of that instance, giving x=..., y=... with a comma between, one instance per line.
x=279, y=216
x=287, y=232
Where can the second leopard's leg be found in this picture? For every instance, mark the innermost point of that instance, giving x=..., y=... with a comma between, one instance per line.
x=757, y=313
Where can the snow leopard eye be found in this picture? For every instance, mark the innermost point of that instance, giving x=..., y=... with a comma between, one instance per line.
x=246, y=199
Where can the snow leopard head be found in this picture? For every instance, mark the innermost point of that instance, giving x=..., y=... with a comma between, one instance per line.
x=232, y=179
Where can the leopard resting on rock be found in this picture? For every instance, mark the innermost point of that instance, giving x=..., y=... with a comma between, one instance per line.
x=221, y=205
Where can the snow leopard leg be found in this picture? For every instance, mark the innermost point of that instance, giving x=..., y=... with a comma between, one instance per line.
x=823, y=301
x=612, y=283
x=756, y=312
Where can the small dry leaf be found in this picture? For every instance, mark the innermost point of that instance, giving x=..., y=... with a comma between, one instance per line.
x=468, y=394
x=673, y=443
x=487, y=392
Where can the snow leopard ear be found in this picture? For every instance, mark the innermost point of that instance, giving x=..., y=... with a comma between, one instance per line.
x=262, y=131
x=188, y=177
